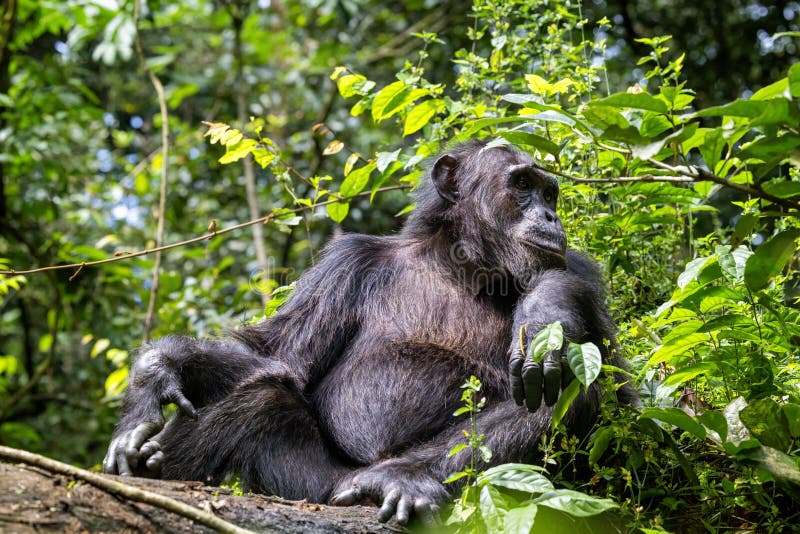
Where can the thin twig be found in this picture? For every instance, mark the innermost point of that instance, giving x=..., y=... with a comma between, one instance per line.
x=209, y=235
x=127, y=491
x=619, y=179
x=162, y=198
x=249, y=173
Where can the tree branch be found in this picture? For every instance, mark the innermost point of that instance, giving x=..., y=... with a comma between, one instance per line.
x=116, y=487
x=210, y=235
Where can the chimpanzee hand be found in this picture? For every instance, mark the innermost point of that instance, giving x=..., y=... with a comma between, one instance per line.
x=399, y=487
x=153, y=384
x=531, y=380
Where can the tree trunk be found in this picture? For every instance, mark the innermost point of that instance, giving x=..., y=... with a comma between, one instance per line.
x=35, y=500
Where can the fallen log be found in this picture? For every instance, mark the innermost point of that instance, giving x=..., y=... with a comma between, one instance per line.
x=42, y=496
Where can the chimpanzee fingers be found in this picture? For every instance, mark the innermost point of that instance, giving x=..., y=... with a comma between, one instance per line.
x=137, y=437
x=149, y=449
x=404, y=508
x=110, y=461
x=389, y=506
x=515, y=371
x=551, y=369
x=121, y=458
x=532, y=379
x=347, y=497
x=154, y=462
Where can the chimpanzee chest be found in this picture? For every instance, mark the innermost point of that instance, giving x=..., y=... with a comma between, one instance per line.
x=398, y=386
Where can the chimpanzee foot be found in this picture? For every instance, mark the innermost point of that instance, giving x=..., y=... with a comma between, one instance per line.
x=402, y=490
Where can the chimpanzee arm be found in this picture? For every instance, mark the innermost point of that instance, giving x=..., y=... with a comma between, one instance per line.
x=302, y=339
x=575, y=298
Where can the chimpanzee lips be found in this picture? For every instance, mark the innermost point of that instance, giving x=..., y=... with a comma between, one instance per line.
x=547, y=246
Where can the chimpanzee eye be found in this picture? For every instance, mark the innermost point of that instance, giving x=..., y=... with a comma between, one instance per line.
x=523, y=182
x=549, y=195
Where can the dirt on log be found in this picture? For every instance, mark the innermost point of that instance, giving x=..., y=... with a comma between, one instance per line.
x=35, y=500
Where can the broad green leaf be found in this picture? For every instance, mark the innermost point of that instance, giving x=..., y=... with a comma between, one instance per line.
x=116, y=382
x=692, y=270
x=530, y=139
x=520, y=520
x=771, y=91
x=337, y=211
x=678, y=347
x=770, y=258
x=522, y=477
x=575, y=503
x=782, y=189
x=421, y=114
x=549, y=338
x=689, y=373
x=794, y=80
x=737, y=108
x=356, y=181
x=263, y=157
x=585, y=361
x=600, y=441
x=771, y=147
x=346, y=82
x=385, y=97
x=712, y=148
x=792, y=413
x=564, y=401
x=732, y=320
x=675, y=417
x=492, y=507
x=385, y=158
x=235, y=152
x=715, y=422
x=632, y=100
x=767, y=422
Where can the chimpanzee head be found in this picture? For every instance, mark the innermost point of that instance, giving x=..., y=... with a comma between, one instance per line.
x=496, y=207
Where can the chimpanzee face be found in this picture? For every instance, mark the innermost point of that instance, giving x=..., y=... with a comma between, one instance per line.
x=503, y=208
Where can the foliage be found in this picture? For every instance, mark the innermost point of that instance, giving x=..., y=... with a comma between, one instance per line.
x=679, y=173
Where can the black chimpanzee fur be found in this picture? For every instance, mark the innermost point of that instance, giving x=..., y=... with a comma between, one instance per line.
x=347, y=393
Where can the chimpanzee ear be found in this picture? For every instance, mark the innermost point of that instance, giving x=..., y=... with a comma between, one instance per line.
x=444, y=178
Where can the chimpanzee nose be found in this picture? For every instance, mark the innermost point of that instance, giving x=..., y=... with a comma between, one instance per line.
x=550, y=216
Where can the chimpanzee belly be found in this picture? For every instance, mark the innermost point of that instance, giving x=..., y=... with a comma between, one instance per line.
x=372, y=405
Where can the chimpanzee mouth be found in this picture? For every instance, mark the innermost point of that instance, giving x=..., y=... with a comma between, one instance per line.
x=547, y=247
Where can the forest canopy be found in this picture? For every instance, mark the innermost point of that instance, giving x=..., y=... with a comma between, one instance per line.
x=173, y=167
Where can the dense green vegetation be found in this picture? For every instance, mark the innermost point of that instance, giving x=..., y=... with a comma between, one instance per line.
x=678, y=162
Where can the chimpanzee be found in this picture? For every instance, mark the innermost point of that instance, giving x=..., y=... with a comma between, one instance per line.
x=347, y=394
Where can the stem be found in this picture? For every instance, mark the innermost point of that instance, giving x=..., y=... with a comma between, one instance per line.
x=162, y=196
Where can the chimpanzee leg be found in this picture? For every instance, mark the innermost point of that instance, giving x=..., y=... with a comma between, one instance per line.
x=264, y=432
x=410, y=483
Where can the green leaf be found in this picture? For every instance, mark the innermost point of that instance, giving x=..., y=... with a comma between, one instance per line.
x=100, y=346
x=116, y=382
x=386, y=95
x=770, y=258
x=689, y=373
x=585, y=361
x=792, y=413
x=767, y=422
x=632, y=100
x=675, y=417
x=263, y=157
x=458, y=448
x=712, y=147
x=421, y=114
x=337, y=211
x=237, y=151
x=782, y=189
x=530, y=139
x=732, y=263
x=794, y=80
x=520, y=520
x=693, y=270
x=600, y=441
x=356, y=181
x=385, y=158
x=564, y=401
x=737, y=108
x=346, y=82
x=521, y=477
x=492, y=508
x=715, y=421
x=575, y=503
x=549, y=338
